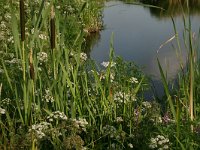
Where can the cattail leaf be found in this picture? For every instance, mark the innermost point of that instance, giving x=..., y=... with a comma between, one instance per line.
x=52, y=23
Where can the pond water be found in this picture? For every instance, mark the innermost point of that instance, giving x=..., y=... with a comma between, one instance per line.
x=139, y=32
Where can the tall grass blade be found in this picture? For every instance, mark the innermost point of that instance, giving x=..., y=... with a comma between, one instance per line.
x=164, y=81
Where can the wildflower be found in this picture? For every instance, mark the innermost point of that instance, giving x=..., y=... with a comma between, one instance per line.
x=3, y=24
x=58, y=7
x=7, y=16
x=42, y=37
x=112, y=77
x=159, y=142
x=106, y=64
x=47, y=4
x=5, y=101
x=83, y=56
x=11, y=39
x=130, y=145
x=57, y=115
x=146, y=104
x=40, y=129
x=111, y=130
x=2, y=111
x=42, y=57
x=122, y=97
x=119, y=119
x=113, y=145
x=13, y=61
x=32, y=31
x=166, y=118
x=80, y=123
x=133, y=80
x=48, y=97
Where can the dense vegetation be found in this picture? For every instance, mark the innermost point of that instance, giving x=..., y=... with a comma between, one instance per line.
x=52, y=96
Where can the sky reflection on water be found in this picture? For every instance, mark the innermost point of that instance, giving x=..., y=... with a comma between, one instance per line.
x=138, y=35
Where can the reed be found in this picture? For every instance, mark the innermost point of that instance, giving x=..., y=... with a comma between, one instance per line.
x=183, y=102
x=61, y=99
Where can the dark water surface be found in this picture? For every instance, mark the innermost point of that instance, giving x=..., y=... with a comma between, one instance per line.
x=139, y=32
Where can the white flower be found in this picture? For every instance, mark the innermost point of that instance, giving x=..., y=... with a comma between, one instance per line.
x=159, y=142
x=106, y=64
x=2, y=111
x=110, y=130
x=3, y=24
x=80, y=123
x=39, y=129
x=165, y=147
x=146, y=104
x=113, y=145
x=122, y=97
x=83, y=56
x=119, y=119
x=42, y=57
x=130, y=145
x=13, y=61
x=32, y=31
x=5, y=101
x=42, y=36
x=58, y=7
x=57, y=115
x=8, y=16
x=11, y=39
x=133, y=80
x=48, y=97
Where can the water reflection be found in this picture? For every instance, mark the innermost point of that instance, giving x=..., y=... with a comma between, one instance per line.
x=173, y=7
x=138, y=35
x=90, y=41
x=170, y=8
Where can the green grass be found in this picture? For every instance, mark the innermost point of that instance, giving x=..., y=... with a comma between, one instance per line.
x=53, y=97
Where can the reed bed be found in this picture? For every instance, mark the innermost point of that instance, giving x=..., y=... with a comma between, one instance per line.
x=52, y=96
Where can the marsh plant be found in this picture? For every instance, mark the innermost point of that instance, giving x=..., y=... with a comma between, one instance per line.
x=52, y=96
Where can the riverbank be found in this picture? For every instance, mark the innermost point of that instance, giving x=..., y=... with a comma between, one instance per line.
x=52, y=96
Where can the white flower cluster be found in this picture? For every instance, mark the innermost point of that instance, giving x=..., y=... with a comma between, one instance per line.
x=7, y=16
x=159, y=142
x=10, y=39
x=146, y=104
x=2, y=111
x=133, y=80
x=39, y=129
x=130, y=145
x=3, y=25
x=42, y=57
x=13, y=61
x=6, y=101
x=83, y=56
x=119, y=119
x=103, y=76
x=47, y=97
x=80, y=123
x=57, y=115
x=122, y=97
x=106, y=64
x=42, y=36
x=111, y=130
